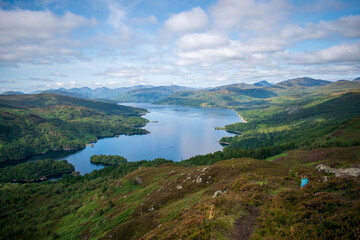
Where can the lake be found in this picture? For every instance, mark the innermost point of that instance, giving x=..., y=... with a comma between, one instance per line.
x=176, y=133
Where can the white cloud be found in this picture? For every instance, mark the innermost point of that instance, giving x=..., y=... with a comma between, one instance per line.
x=321, y=5
x=197, y=41
x=116, y=19
x=68, y=85
x=347, y=26
x=149, y=20
x=248, y=14
x=58, y=74
x=7, y=81
x=252, y=50
x=342, y=53
x=344, y=27
x=37, y=79
x=128, y=72
x=136, y=72
x=32, y=36
x=25, y=25
x=193, y=20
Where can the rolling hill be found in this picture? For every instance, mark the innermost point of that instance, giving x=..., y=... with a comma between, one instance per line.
x=140, y=93
x=250, y=190
x=246, y=95
x=32, y=124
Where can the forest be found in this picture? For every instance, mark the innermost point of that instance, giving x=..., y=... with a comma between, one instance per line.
x=33, y=124
x=307, y=125
x=108, y=159
x=35, y=171
x=252, y=185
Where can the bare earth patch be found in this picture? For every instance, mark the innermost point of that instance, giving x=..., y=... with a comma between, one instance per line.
x=244, y=226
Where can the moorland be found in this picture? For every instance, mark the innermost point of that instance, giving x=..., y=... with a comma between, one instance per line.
x=250, y=189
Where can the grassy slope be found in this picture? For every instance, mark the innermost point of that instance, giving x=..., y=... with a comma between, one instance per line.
x=151, y=94
x=35, y=171
x=149, y=203
x=171, y=202
x=31, y=124
x=242, y=99
x=306, y=122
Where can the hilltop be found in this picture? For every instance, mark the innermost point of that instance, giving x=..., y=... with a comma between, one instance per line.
x=250, y=190
x=230, y=199
x=140, y=93
x=236, y=96
x=38, y=123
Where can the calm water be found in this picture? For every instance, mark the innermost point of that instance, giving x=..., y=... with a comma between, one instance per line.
x=178, y=133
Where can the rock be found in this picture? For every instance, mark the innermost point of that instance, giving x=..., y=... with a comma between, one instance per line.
x=139, y=180
x=199, y=179
x=204, y=169
x=188, y=178
x=324, y=179
x=179, y=187
x=343, y=172
x=218, y=192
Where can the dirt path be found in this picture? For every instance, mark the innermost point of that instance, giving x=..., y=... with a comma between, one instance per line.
x=244, y=226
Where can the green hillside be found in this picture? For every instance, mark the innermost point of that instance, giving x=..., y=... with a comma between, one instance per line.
x=140, y=93
x=31, y=124
x=304, y=122
x=151, y=94
x=251, y=96
x=224, y=200
x=250, y=190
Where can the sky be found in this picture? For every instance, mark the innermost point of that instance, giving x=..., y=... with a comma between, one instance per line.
x=48, y=44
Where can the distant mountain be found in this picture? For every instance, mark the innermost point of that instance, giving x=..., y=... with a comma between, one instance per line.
x=303, y=82
x=262, y=84
x=341, y=85
x=151, y=94
x=67, y=93
x=235, y=85
x=357, y=79
x=140, y=93
x=108, y=93
x=242, y=85
x=253, y=92
x=250, y=95
x=11, y=93
x=37, y=123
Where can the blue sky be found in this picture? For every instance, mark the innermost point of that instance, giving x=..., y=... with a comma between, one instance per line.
x=58, y=43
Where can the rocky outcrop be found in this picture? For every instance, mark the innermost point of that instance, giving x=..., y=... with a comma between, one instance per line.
x=218, y=193
x=342, y=172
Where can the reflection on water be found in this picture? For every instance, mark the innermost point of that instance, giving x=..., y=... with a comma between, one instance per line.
x=176, y=133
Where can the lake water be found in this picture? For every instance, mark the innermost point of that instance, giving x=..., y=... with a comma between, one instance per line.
x=176, y=133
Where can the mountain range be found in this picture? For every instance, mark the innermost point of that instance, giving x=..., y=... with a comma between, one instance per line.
x=166, y=94
x=252, y=189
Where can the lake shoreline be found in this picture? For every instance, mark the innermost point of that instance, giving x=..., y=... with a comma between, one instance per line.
x=176, y=133
x=43, y=178
x=242, y=119
x=13, y=162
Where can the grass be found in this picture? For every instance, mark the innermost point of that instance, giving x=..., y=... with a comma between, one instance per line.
x=270, y=159
x=156, y=209
x=173, y=210
x=147, y=203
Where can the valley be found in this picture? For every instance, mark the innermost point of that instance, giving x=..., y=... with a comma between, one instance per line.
x=291, y=128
